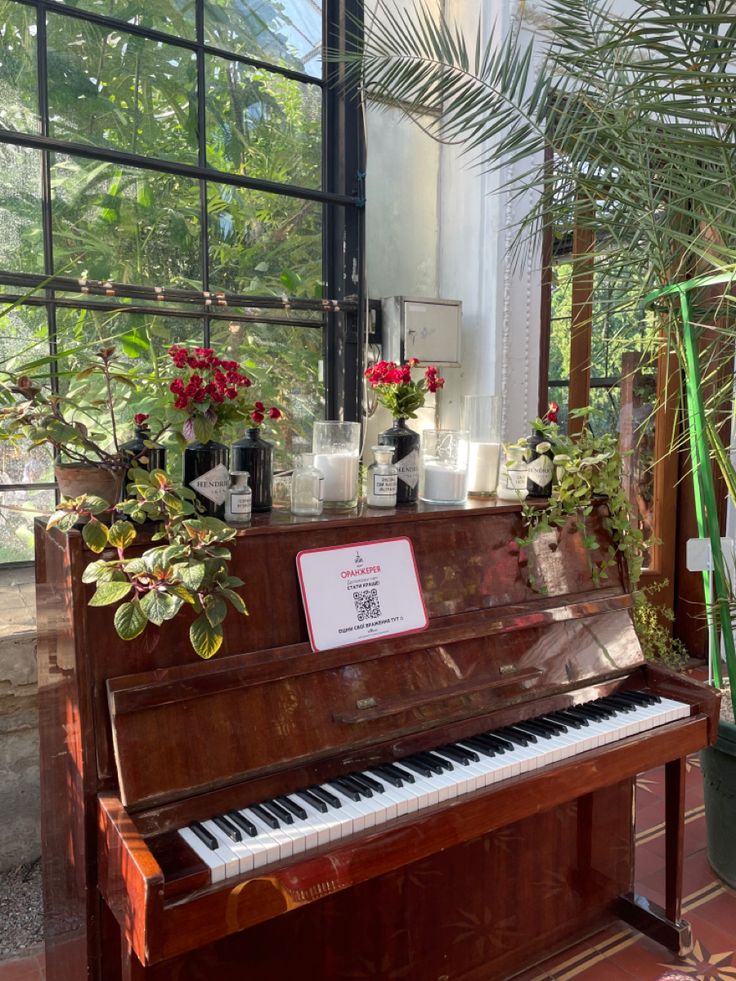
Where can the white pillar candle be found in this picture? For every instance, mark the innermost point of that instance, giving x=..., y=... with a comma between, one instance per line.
x=340, y=472
x=444, y=484
x=483, y=468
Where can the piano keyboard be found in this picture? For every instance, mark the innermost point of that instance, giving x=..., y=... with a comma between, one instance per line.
x=240, y=841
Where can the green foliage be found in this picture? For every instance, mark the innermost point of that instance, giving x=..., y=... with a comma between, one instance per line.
x=189, y=571
x=650, y=619
x=589, y=468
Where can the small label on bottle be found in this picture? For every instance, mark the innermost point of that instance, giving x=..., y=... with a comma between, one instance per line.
x=240, y=503
x=385, y=485
x=408, y=468
x=539, y=470
x=214, y=485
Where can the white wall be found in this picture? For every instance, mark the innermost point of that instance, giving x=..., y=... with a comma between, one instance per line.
x=436, y=227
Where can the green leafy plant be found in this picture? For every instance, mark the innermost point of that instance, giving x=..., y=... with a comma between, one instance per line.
x=80, y=423
x=655, y=637
x=588, y=468
x=188, y=571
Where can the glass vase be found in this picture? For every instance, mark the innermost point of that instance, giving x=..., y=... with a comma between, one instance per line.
x=206, y=471
x=482, y=420
x=444, y=470
x=336, y=448
x=406, y=459
x=254, y=454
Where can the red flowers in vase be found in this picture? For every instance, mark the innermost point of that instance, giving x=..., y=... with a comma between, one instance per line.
x=397, y=391
x=211, y=391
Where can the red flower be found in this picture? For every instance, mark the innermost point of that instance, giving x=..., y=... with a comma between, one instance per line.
x=259, y=407
x=551, y=414
x=139, y=418
x=257, y=417
x=413, y=362
x=274, y=413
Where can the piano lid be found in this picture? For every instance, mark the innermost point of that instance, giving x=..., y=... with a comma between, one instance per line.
x=187, y=729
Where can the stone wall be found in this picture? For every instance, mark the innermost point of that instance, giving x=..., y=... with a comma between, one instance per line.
x=19, y=769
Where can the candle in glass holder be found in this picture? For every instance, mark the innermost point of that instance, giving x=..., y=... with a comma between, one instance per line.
x=483, y=468
x=482, y=419
x=444, y=484
x=340, y=472
x=336, y=447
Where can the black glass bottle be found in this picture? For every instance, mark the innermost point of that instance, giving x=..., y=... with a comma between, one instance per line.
x=145, y=457
x=207, y=472
x=406, y=459
x=255, y=455
x=539, y=469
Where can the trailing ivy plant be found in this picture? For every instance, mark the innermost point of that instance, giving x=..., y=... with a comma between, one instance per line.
x=588, y=467
x=190, y=570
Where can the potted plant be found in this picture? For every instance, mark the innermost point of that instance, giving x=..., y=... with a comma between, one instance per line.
x=78, y=419
x=615, y=121
x=189, y=571
x=402, y=396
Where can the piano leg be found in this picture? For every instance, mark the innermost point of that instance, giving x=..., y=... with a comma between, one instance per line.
x=132, y=969
x=666, y=925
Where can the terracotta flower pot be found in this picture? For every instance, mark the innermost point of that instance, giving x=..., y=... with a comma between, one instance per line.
x=75, y=479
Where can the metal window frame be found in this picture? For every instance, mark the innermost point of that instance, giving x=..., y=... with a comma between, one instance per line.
x=343, y=233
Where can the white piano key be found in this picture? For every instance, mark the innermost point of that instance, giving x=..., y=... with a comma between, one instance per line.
x=214, y=861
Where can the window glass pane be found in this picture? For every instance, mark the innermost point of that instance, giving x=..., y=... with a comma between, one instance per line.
x=282, y=32
x=125, y=224
x=264, y=243
x=18, y=76
x=21, y=231
x=17, y=511
x=284, y=363
x=263, y=124
x=173, y=16
x=113, y=89
x=559, y=339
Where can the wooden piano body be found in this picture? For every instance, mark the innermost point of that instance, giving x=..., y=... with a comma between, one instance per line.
x=140, y=738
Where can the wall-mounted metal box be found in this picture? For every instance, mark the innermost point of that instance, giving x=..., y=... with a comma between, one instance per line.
x=426, y=329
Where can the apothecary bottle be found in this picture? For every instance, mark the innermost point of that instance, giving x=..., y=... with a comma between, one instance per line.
x=240, y=499
x=383, y=479
x=306, y=488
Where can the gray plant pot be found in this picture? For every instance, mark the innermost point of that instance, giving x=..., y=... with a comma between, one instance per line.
x=718, y=763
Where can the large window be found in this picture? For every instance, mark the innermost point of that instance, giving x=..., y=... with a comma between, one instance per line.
x=179, y=171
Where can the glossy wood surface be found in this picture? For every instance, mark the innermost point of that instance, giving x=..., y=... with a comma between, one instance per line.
x=267, y=716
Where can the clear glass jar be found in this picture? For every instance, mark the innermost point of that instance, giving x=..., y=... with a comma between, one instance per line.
x=482, y=419
x=443, y=477
x=512, y=475
x=239, y=502
x=306, y=488
x=336, y=448
x=383, y=479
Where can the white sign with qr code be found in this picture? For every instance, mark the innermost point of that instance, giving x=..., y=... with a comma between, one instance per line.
x=359, y=592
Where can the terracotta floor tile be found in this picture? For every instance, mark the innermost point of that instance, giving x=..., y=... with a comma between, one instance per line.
x=25, y=969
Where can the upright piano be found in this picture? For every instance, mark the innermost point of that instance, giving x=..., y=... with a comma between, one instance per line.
x=450, y=804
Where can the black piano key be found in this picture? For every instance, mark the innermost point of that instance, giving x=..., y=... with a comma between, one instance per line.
x=485, y=748
x=558, y=725
x=375, y=785
x=595, y=713
x=265, y=815
x=228, y=828
x=411, y=763
x=347, y=789
x=316, y=802
x=278, y=811
x=514, y=736
x=576, y=721
x=503, y=745
x=435, y=763
x=389, y=776
x=401, y=773
x=617, y=704
x=642, y=697
x=575, y=713
x=363, y=788
x=291, y=805
x=243, y=823
x=204, y=835
x=324, y=794
x=534, y=729
x=459, y=754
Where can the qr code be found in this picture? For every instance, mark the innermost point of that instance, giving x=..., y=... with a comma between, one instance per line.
x=366, y=605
